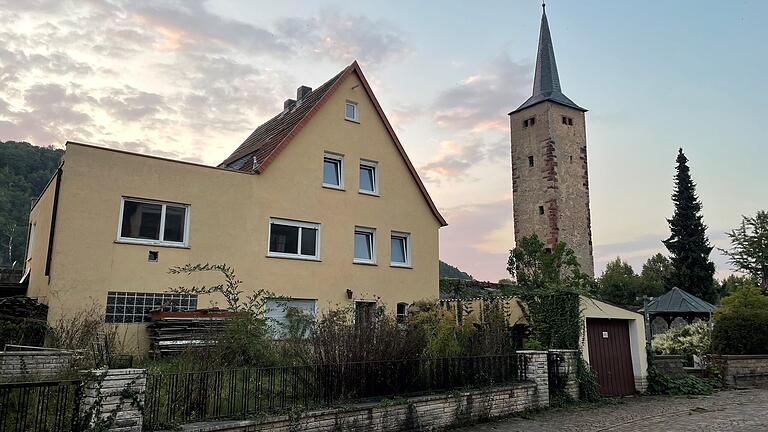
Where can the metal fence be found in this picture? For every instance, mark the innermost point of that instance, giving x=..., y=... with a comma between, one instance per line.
x=40, y=406
x=176, y=398
x=554, y=374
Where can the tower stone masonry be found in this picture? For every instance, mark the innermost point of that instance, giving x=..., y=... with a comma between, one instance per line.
x=550, y=182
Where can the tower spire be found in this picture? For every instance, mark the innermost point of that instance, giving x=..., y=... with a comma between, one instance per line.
x=546, y=81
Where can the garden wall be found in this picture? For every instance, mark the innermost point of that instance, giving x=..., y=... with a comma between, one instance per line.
x=16, y=365
x=669, y=364
x=434, y=412
x=740, y=370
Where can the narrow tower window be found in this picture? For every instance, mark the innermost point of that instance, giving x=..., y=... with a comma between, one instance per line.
x=567, y=121
x=529, y=122
x=530, y=161
x=541, y=210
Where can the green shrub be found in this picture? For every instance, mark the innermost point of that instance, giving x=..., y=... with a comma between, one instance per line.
x=741, y=323
x=677, y=385
x=693, y=339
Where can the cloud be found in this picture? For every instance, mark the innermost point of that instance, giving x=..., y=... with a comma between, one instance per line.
x=478, y=238
x=457, y=157
x=340, y=37
x=129, y=105
x=481, y=101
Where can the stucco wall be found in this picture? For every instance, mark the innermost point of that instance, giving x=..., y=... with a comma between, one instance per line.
x=40, y=216
x=229, y=217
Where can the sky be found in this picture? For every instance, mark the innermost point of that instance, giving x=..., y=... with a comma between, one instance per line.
x=191, y=79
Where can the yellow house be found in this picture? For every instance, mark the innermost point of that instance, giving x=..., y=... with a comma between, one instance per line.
x=319, y=204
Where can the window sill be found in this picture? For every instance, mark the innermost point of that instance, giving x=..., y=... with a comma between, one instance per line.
x=352, y=120
x=338, y=188
x=294, y=257
x=402, y=266
x=369, y=193
x=152, y=244
x=368, y=263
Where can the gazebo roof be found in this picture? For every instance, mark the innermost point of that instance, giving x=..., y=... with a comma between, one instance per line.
x=680, y=302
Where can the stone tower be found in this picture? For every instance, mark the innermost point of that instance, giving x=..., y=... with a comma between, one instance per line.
x=550, y=188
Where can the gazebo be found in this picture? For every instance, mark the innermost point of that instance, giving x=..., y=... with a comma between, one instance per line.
x=675, y=308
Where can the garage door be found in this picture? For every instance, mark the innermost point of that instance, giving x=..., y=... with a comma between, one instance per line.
x=610, y=356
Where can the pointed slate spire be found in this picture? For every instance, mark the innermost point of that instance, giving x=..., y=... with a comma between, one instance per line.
x=546, y=82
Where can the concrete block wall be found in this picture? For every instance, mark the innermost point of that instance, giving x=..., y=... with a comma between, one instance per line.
x=116, y=397
x=426, y=413
x=25, y=365
x=739, y=370
x=567, y=370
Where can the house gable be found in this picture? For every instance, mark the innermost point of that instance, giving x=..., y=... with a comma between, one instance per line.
x=269, y=140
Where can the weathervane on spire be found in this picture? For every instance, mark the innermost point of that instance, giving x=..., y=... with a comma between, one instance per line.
x=544, y=6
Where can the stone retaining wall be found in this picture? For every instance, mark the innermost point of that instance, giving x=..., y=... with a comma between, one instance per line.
x=21, y=365
x=669, y=364
x=567, y=371
x=739, y=370
x=426, y=413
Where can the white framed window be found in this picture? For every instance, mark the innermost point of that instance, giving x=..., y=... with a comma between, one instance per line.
x=350, y=111
x=365, y=245
x=333, y=170
x=279, y=312
x=400, y=249
x=294, y=239
x=402, y=312
x=153, y=222
x=369, y=177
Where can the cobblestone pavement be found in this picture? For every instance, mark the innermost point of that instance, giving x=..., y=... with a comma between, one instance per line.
x=736, y=410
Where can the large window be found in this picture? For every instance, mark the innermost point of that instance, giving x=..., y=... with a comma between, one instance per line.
x=365, y=245
x=134, y=307
x=153, y=222
x=400, y=252
x=293, y=239
x=333, y=171
x=289, y=317
x=368, y=178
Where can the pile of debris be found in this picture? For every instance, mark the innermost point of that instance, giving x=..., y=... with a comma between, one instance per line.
x=172, y=332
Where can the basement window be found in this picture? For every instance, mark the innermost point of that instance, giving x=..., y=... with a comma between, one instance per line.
x=402, y=312
x=294, y=239
x=153, y=222
x=530, y=161
x=134, y=307
x=541, y=210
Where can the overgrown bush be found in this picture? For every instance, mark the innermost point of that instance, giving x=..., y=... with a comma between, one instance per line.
x=338, y=338
x=741, y=323
x=677, y=385
x=690, y=340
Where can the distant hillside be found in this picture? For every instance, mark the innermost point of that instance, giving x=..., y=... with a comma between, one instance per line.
x=24, y=172
x=451, y=272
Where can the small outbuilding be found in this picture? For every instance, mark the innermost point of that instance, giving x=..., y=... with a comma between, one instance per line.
x=674, y=309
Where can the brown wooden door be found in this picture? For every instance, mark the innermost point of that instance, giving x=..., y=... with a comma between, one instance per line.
x=610, y=356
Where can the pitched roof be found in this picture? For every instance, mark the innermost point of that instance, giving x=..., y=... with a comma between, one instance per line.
x=678, y=301
x=546, y=82
x=268, y=140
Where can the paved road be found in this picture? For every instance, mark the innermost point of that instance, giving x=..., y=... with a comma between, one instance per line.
x=738, y=410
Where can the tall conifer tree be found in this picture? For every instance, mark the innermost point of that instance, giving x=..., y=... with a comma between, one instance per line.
x=688, y=245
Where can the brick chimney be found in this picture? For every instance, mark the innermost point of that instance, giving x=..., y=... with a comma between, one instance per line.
x=288, y=103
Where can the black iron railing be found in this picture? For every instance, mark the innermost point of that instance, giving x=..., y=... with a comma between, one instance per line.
x=555, y=373
x=176, y=398
x=40, y=406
